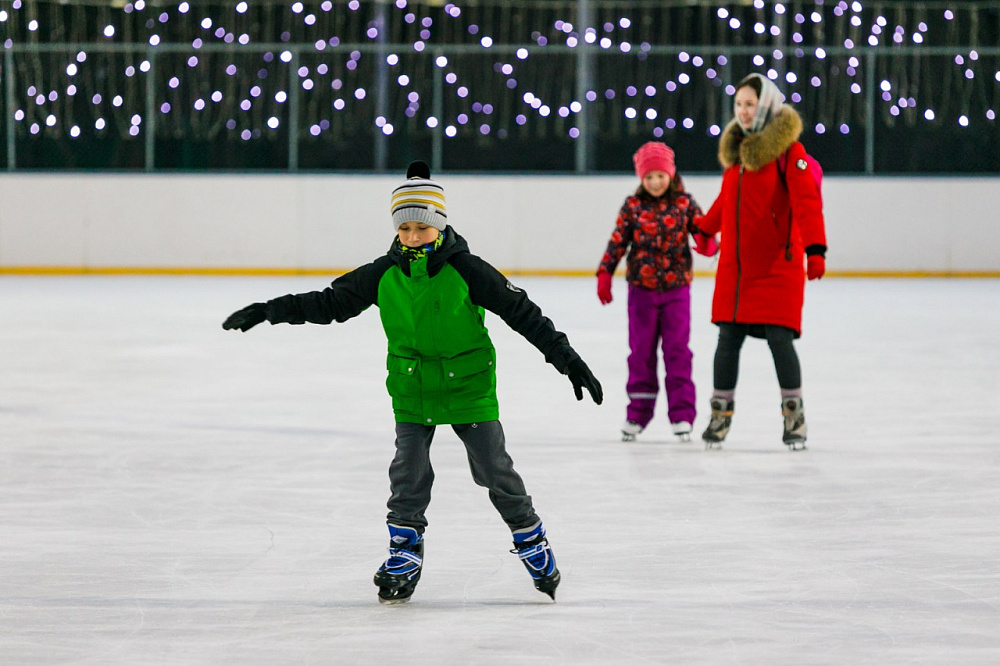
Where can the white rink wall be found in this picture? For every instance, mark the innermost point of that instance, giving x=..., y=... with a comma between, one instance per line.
x=521, y=224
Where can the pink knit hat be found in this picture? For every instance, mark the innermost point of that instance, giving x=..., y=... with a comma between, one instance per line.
x=654, y=156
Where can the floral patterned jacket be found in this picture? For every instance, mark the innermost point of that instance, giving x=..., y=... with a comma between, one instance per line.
x=655, y=232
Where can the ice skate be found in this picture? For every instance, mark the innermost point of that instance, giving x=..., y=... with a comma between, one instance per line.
x=795, y=424
x=531, y=545
x=629, y=430
x=683, y=430
x=397, y=577
x=718, y=427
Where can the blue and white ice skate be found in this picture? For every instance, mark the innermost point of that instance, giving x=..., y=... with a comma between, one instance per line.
x=531, y=546
x=397, y=577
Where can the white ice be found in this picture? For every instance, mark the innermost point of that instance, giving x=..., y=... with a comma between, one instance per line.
x=174, y=493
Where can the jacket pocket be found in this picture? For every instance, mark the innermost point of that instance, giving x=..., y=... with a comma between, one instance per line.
x=470, y=379
x=403, y=382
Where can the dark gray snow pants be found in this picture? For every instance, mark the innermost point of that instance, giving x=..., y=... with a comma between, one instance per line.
x=411, y=474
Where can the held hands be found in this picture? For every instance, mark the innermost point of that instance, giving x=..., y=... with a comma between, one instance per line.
x=705, y=245
x=582, y=377
x=604, y=287
x=246, y=318
x=815, y=266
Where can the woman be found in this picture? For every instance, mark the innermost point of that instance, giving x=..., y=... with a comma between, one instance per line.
x=770, y=214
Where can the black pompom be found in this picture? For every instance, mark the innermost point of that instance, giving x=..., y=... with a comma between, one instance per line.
x=418, y=169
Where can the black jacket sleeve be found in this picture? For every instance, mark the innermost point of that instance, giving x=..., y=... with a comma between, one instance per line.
x=488, y=288
x=346, y=297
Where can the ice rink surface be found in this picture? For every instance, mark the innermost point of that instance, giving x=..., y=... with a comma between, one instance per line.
x=172, y=493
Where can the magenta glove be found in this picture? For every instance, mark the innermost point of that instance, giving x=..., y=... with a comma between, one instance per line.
x=604, y=287
x=705, y=245
x=815, y=267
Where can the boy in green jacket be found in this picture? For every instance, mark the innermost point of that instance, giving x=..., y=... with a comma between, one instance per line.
x=431, y=293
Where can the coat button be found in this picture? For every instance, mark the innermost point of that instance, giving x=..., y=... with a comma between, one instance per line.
x=429, y=420
x=409, y=369
x=451, y=374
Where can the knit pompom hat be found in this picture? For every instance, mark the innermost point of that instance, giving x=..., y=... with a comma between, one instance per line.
x=419, y=199
x=654, y=156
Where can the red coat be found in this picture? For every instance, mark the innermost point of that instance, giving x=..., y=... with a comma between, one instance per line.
x=761, y=273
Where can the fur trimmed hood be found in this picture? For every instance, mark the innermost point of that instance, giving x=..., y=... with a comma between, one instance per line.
x=763, y=147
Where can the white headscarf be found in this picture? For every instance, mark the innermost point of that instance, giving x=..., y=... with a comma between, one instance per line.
x=768, y=104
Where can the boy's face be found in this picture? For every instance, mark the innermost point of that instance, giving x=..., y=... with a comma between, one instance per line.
x=417, y=234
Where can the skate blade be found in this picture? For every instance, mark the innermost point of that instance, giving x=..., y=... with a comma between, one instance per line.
x=796, y=446
x=393, y=602
x=713, y=446
x=389, y=598
x=628, y=437
x=548, y=586
x=684, y=438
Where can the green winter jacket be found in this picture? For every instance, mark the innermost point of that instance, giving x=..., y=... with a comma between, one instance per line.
x=441, y=362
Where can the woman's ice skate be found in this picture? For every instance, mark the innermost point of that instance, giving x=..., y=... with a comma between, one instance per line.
x=795, y=424
x=718, y=427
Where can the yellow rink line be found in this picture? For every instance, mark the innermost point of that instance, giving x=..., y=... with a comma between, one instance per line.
x=189, y=270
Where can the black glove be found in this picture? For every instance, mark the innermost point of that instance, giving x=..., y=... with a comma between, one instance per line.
x=582, y=377
x=246, y=318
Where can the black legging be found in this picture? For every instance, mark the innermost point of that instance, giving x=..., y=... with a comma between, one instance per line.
x=779, y=339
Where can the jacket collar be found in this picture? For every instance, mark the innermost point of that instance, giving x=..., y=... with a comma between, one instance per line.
x=453, y=243
x=760, y=148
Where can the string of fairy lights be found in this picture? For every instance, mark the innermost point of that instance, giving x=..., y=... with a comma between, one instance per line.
x=235, y=69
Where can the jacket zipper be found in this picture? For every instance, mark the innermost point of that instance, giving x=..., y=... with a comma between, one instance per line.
x=782, y=164
x=739, y=263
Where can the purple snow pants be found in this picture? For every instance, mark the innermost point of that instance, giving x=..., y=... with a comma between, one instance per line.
x=655, y=317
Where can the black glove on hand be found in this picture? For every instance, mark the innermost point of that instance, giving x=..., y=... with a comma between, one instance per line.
x=582, y=377
x=246, y=318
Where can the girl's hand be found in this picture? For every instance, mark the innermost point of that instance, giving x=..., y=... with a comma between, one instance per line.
x=604, y=287
x=705, y=245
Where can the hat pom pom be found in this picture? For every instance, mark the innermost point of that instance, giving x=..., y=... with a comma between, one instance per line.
x=418, y=169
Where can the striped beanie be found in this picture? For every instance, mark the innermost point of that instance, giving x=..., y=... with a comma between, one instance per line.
x=419, y=199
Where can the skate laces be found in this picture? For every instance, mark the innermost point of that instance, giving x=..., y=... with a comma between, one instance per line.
x=401, y=561
x=536, y=558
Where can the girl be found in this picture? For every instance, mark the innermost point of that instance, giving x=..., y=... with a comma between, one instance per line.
x=653, y=225
x=770, y=214
x=431, y=293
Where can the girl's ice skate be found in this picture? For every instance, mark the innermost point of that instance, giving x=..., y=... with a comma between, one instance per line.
x=718, y=427
x=397, y=577
x=683, y=430
x=795, y=424
x=533, y=548
x=630, y=430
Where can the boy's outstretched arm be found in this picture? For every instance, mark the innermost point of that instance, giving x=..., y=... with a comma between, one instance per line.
x=348, y=296
x=489, y=288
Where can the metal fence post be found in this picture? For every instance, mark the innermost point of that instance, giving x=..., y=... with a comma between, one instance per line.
x=437, y=133
x=8, y=65
x=381, y=88
x=870, y=112
x=293, y=110
x=584, y=80
x=151, y=112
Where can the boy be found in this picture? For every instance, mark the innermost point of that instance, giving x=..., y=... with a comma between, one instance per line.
x=431, y=293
